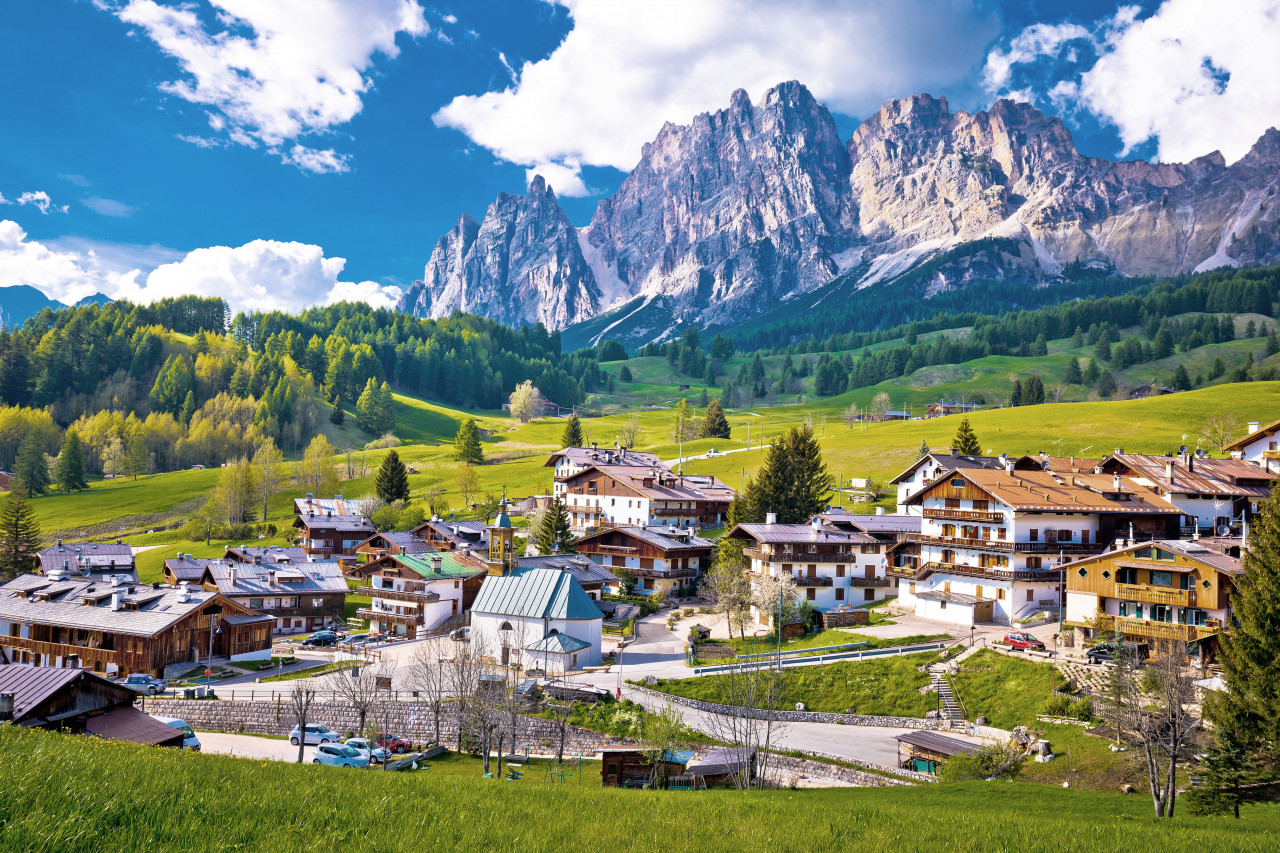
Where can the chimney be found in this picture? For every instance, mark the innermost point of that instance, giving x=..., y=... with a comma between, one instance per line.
x=1008, y=466
x=117, y=596
x=231, y=575
x=271, y=576
x=1168, y=469
x=1115, y=482
x=257, y=559
x=879, y=510
x=1252, y=427
x=115, y=580
x=770, y=518
x=6, y=707
x=954, y=452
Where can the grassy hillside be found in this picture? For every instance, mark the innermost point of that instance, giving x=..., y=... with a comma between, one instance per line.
x=69, y=794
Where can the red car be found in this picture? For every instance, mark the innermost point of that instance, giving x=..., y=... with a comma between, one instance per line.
x=1022, y=642
x=395, y=744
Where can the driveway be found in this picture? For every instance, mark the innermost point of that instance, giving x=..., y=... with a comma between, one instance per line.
x=249, y=746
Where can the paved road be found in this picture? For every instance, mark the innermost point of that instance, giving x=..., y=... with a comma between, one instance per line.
x=248, y=746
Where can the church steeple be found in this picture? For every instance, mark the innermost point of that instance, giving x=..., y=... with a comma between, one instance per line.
x=502, y=556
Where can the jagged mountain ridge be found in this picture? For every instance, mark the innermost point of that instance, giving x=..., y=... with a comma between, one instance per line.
x=743, y=208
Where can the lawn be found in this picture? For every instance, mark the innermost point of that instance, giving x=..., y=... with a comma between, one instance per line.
x=767, y=644
x=1009, y=691
x=158, y=800
x=622, y=719
x=882, y=687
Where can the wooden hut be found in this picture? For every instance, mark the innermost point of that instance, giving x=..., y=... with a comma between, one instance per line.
x=925, y=751
x=630, y=767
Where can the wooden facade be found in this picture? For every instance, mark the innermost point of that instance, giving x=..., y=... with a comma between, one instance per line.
x=631, y=768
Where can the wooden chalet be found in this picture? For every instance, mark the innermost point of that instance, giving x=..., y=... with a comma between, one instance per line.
x=393, y=544
x=652, y=555
x=630, y=767
x=121, y=628
x=417, y=595
x=270, y=555
x=75, y=700
x=453, y=535
x=328, y=536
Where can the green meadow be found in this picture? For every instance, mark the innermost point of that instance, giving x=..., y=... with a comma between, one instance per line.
x=68, y=794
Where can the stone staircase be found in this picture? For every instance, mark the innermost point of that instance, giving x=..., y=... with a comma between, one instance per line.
x=950, y=707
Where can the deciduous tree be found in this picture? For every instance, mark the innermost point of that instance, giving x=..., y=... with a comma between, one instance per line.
x=268, y=473
x=524, y=402
x=468, y=482
x=314, y=473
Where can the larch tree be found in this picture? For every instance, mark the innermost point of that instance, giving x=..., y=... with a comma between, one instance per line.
x=19, y=536
x=235, y=491
x=392, y=483
x=31, y=467
x=314, y=473
x=69, y=471
x=268, y=473
x=466, y=444
x=113, y=458
x=572, y=435
x=966, y=442
x=524, y=402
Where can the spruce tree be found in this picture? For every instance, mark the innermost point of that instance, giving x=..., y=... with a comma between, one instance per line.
x=1077, y=340
x=1033, y=392
x=1072, y=375
x=336, y=415
x=392, y=483
x=31, y=468
x=624, y=373
x=69, y=471
x=1181, y=381
x=966, y=442
x=1273, y=342
x=553, y=530
x=793, y=482
x=367, y=417
x=1015, y=399
x=19, y=536
x=384, y=413
x=466, y=444
x=714, y=425
x=1103, y=350
x=572, y=435
x=1229, y=774
x=1250, y=656
x=923, y=450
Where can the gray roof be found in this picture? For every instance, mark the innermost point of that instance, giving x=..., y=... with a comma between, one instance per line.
x=935, y=742
x=31, y=685
x=338, y=505
x=583, y=457
x=255, y=579
x=100, y=558
x=353, y=523
x=537, y=593
x=784, y=533
x=872, y=523
x=948, y=462
x=61, y=602
x=184, y=569
x=270, y=554
x=582, y=569
x=663, y=537
x=460, y=532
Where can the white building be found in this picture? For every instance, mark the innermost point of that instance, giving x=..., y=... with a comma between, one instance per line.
x=597, y=496
x=414, y=595
x=992, y=543
x=1260, y=446
x=1212, y=493
x=538, y=618
x=929, y=468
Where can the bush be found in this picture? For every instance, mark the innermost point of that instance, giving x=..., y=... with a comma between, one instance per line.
x=387, y=440
x=1082, y=709
x=993, y=761
x=1057, y=706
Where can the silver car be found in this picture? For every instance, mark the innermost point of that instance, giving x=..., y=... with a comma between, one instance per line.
x=370, y=750
x=316, y=734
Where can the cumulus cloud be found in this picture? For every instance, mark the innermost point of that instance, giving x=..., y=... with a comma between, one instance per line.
x=1034, y=42
x=109, y=207
x=273, y=72
x=39, y=199
x=628, y=66
x=263, y=275
x=1193, y=77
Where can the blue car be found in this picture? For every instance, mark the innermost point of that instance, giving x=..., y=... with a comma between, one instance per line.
x=340, y=755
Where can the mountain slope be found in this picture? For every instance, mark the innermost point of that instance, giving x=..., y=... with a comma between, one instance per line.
x=742, y=209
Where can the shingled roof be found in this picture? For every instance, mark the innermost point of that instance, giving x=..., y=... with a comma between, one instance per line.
x=145, y=611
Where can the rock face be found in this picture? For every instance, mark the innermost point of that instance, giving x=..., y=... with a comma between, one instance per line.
x=726, y=217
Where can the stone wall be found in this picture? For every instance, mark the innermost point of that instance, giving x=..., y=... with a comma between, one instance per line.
x=785, y=766
x=801, y=716
x=411, y=719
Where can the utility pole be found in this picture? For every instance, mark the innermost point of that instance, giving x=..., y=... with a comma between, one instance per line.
x=779, y=624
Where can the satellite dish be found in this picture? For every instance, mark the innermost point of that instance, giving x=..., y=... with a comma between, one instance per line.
x=1224, y=530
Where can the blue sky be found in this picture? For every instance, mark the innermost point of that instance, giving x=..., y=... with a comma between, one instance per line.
x=287, y=152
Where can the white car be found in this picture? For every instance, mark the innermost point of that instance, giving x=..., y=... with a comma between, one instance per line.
x=189, y=739
x=376, y=754
x=316, y=734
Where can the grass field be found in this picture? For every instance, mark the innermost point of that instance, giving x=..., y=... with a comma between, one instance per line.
x=1009, y=691
x=66, y=794
x=833, y=637
x=883, y=687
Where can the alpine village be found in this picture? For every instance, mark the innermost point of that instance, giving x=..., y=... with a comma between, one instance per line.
x=746, y=476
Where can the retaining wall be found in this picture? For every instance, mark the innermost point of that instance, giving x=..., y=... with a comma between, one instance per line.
x=801, y=716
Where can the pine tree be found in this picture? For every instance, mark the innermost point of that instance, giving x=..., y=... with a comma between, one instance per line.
x=1072, y=375
x=709, y=375
x=1103, y=350
x=392, y=483
x=1273, y=342
x=188, y=408
x=793, y=482
x=966, y=442
x=1077, y=340
x=367, y=408
x=1229, y=774
x=624, y=373
x=1015, y=399
x=1181, y=381
x=714, y=425
x=466, y=444
x=1250, y=656
x=384, y=413
x=31, y=468
x=1033, y=392
x=336, y=415
x=19, y=536
x=69, y=471
x=553, y=530
x=572, y=435
x=923, y=450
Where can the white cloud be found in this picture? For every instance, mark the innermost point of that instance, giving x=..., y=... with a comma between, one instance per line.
x=273, y=72
x=320, y=162
x=39, y=199
x=263, y=275
x=1194, y=77
x=564, y=178
x=1032, y=43
x=109, y=207
x=628, y=66
x=77, y=180
x=201, y=141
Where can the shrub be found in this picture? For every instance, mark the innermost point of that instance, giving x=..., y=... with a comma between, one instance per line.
x=1082, y=709
x=1057, y=706
x=993, y=761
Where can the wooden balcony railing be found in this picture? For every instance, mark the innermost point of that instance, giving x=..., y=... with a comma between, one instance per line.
x=1147, y=628
x=991, y=572
x=961, y=542
x=797, y=556
x=126, y=661
x=965, y=515
x=373, y=615
x=806, y=581
x=397, y=595
x=868, y=582
x=1156, y=594
x=660, y=574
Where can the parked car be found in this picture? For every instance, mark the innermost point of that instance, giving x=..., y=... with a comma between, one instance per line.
x=144, y=683
x=376, y=754
x=462, y=634
x=1022, y=642
x=394, y=743
x=1109, y=649
x=355, y=639
x=321, y=638
x=316, y=733
x=189, y=739
x=340, y=755
x=712, y=452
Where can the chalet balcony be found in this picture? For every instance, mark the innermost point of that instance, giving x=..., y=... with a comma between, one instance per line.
x=620, y=550
x=797, y=557
x=372, y=615
x=1156, y=594
x=1149, y=629
x=1055, y=547
x=806, y=581
x=966, y=515
x=396, y=595
x=89, y=657
x=989, y=572
x=584, y=510
x=659, y=574
x=961, y=542
x=673, y=512
x=869, y=583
